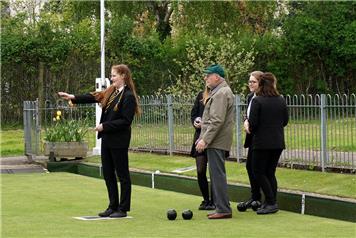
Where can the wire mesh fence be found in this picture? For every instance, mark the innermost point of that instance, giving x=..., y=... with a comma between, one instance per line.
x=321, y=132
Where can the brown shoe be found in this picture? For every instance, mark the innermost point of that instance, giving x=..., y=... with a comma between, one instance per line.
x=220, y=216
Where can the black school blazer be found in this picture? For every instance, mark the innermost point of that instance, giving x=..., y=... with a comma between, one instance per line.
x=116, y=124
x=197, y=111
x=268, y=117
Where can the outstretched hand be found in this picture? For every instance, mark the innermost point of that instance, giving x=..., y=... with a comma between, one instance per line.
x=66, y=96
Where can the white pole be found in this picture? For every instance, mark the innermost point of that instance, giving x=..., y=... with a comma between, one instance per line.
x=100, y=81
x=102, y=39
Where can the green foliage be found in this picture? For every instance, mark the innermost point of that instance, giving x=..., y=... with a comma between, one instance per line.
x=121, y=31
x=319, y=37
x=224, y=17
x=147, y=57
x=66, y=130
x=310, y=46
x=203, y=51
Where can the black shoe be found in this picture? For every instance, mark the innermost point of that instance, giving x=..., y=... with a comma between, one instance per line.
x=118, y=214
x=203, y=205
x=263, y=206
x=243, y=206
x=210, y=206
x=106, y=213
x=267, y=209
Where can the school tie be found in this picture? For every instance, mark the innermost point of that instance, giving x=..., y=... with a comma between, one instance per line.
x=111, y=99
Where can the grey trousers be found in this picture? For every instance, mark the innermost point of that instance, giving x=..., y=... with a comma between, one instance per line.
x=216, y=159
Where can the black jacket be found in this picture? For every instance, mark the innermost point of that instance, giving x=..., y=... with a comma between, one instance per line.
x=116, y=124
x=197, y=111
x=268, y=117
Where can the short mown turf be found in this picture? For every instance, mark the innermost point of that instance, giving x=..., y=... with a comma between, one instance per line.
x=43, y=205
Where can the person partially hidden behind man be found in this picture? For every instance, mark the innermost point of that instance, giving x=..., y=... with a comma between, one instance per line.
x=216, y=136
x=255, y=201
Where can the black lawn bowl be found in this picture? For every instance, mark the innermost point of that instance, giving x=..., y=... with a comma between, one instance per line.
x=255, y=205
x=187, y=214
x=171, y=214
x=241, y=207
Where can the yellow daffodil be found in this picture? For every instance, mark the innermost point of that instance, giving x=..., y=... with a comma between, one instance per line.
x=58, y=118
x=59, y=113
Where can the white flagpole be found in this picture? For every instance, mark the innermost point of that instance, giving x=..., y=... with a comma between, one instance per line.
x=100, y=81
x=102, y=39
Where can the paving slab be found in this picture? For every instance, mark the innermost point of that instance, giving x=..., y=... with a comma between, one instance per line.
x=21, y=164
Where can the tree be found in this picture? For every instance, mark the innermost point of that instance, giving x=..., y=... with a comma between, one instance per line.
x=162, y=11
x=5, y=9
x=320, y=39
x=224, y=17
x=203, y=51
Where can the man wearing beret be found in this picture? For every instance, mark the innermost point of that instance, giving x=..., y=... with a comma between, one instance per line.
x=216, y=136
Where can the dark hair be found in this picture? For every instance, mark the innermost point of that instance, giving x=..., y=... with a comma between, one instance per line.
x=266, y=85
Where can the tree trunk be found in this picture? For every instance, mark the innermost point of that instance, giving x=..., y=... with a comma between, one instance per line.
x=163, y=14
x=40, y=88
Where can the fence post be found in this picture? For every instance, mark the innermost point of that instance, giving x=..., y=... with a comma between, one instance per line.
x=238, y=127
x=37, y=126
x=27, y=127
x=323, y=136
x=170, y=124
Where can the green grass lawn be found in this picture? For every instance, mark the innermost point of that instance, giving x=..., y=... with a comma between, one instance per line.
x=342, y=185
x=12, y=142
x=298, y=135
x=43, y=205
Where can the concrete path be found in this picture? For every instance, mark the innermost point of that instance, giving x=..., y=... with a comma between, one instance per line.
x=20, y=164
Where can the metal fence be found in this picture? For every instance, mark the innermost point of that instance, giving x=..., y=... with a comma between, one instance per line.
x=321, y=132
x=31, y=128
x=37, y=119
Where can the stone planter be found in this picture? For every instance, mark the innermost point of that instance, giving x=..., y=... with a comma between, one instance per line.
x=65, y=149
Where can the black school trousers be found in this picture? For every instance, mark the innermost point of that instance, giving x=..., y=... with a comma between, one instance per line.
x=255, y=186
x=115, y=163
x=264, y=164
